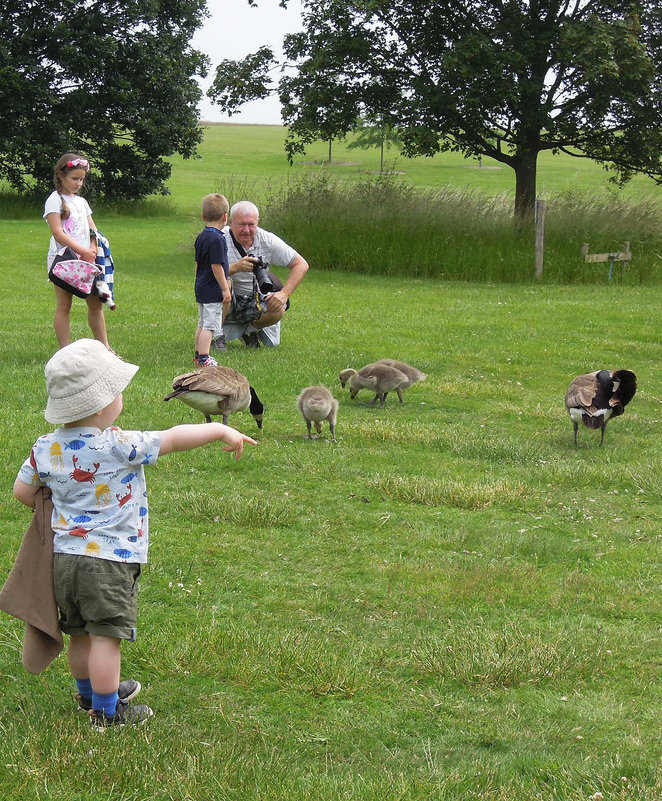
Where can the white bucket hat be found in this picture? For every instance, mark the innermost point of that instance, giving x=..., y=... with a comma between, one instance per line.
x=83, y=378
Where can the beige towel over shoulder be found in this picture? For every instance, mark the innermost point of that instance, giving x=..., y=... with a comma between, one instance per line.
x=28, y=592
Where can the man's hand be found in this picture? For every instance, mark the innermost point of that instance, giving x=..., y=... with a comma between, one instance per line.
x=243, y=265
x=277, y=301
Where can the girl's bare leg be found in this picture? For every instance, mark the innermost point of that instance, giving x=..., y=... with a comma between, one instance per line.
x=96, y=319
x=61, y=320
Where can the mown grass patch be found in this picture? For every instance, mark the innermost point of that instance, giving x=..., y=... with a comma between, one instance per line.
x=464, y=495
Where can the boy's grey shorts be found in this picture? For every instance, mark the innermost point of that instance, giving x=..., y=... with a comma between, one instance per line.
x=210, y=316
x=96, y=596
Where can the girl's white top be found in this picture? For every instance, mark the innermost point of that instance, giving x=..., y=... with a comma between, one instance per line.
x=76, y=224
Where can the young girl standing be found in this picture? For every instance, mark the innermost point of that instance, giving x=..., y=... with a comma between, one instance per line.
x=70, y=219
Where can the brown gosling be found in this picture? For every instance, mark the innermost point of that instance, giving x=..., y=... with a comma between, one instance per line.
x=217, y=390
x=380, y=378
x=595, y=398
x=317, y=404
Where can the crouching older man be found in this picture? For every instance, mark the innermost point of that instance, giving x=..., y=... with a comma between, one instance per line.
x=247, y=242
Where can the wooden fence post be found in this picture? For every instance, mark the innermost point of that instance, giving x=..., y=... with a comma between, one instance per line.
x=541, y=206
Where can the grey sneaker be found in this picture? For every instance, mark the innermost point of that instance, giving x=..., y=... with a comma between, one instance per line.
x=125, y=715
x=219, y=343
x=127, y=690
x=252, y=340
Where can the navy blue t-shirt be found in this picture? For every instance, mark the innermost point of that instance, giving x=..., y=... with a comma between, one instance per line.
x=210, y=248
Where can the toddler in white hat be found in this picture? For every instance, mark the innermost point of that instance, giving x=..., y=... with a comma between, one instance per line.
x=95, y=472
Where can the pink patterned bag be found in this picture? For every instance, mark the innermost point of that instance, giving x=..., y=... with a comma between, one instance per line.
x=70, y=273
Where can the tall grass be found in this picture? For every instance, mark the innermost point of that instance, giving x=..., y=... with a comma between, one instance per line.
x=382, y=226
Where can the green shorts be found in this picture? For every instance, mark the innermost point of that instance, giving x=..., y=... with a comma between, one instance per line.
x=96, y=596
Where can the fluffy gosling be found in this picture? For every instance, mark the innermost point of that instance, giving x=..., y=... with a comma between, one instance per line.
x=380, y=378
x=412, y=373
x=317, y=404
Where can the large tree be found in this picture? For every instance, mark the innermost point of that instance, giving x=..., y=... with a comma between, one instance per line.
x=115, y=81
x=500, y=78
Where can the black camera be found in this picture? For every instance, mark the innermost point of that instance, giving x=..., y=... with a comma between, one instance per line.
x=261, y=273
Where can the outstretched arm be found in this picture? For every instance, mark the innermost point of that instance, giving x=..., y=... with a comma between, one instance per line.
x=194, y=435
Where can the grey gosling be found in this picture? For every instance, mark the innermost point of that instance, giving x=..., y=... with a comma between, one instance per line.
x=317, y=404
x=412, y=373
x=595, y=398
x=380, y=378
x=217, y=390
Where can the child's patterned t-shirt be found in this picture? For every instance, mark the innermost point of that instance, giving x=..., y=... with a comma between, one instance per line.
x=97, y=480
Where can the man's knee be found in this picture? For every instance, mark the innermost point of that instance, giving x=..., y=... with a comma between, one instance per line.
x=270, y=336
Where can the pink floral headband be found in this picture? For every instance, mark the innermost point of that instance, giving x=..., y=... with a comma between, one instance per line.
x=84, y=163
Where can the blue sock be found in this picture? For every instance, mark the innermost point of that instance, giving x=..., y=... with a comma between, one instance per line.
x=105, y=702
x=84, y=687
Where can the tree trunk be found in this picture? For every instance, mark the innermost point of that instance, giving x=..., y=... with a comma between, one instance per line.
x=330, y=143
x=525, y=165
x=381, y=159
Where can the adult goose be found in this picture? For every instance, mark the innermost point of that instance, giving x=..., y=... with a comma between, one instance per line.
x=593, y=399
x=217, y=390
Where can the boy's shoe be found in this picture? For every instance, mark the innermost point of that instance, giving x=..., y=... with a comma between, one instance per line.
x=127, y=690
x=252, y=340
x=205, y=361
x=219, y=343
x=125, y=715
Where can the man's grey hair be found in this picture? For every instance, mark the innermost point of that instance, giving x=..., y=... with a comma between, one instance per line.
x=245, y=207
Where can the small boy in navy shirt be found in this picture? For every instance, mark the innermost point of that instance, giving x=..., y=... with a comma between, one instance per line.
x=212, y=291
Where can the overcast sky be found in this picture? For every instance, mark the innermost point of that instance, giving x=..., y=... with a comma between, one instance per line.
x=233, y=30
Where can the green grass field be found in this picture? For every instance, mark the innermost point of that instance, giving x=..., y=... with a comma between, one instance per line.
x=253, y=156
x=450, y=602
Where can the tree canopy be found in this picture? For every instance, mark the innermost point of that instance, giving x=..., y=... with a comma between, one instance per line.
x=500, y=78
x=115, y=81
